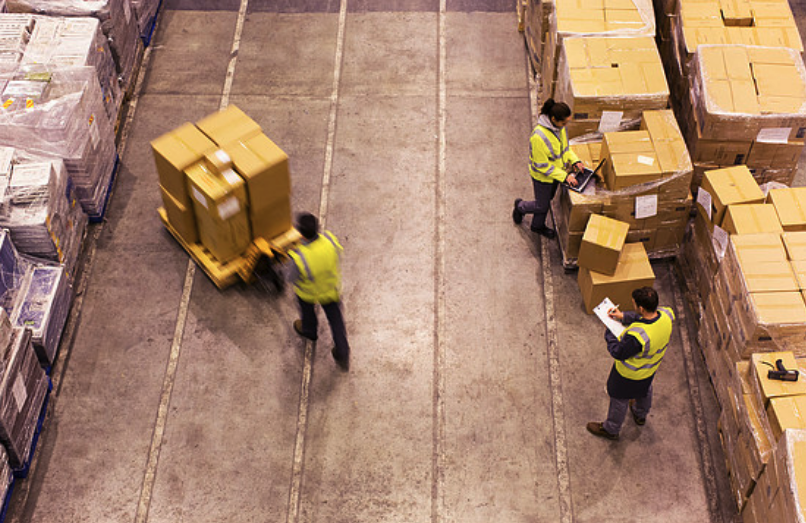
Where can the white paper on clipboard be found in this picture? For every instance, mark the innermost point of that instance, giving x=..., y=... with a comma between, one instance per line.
x=612, y=325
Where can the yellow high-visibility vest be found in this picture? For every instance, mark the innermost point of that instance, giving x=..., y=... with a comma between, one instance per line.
x=653, y=337
x=318, y=265
x=550, y=157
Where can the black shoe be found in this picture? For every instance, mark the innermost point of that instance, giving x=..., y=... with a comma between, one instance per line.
x=298, y=330
x=638, y=421
x=545, y=231
x=597, y=429
x=343, y=364
x=517, y=216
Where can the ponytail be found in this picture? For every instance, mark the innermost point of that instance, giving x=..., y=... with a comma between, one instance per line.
x=557, y=110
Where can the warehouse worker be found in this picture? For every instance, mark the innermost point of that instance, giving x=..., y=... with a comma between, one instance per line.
x=316, y=275
x=549, y=161
x=638, y=353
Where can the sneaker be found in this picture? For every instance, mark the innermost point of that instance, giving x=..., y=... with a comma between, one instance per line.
x=517, y=216
x=548, y=232
x=343, y=364
x=597, y=429
x=298, y=330
x=638, y=421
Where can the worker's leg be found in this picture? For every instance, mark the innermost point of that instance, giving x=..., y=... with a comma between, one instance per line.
x=642, y=405
x=615, y=415
x=337, y=329
x=310, y=324
x=544, y=192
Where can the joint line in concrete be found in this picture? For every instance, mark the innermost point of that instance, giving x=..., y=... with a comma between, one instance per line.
x=236, y=45
x=438, y=386
x=553, y=356
x=706, y=459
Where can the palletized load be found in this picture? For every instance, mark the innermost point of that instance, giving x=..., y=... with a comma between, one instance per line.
x=117, y=22
x=59, y=113
x=146, y=12
x=619, y=76
x=39, y=208
x=15, y=33
x=23, y=387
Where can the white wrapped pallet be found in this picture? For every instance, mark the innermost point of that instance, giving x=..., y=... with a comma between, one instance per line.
x=15, y=33
x=39, y=208
x=43, y=304
x=117, y=21
x=59, y=113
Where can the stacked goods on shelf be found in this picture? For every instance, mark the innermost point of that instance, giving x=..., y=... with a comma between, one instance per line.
x=647, y=176
x=224, y=183
x=609, y=80
x=747, y=106
x=60, y=113
x=549, y=25
x=23, y=387
x=117, y=22
x=39, y=208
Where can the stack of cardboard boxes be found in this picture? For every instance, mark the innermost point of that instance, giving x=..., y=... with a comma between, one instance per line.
x=647, y=176
x=223, y=183
x=735, y=87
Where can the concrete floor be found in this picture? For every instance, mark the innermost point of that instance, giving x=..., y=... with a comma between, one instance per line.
x=474, y=369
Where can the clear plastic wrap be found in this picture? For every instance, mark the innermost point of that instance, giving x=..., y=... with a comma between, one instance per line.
x=22, y=393
x=117, y=22
x=40, y=210
x=59, y=113
x=43, y=305
x=15, y=33
x=749, y=93
x=145, y=10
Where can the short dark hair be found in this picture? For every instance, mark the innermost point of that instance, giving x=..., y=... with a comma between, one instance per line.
x=557, y=110
x=307, y=225
x=646, y=297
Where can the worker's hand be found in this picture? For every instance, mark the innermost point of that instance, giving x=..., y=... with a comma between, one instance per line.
x=572, y=180
x=615, y=314
x=579, y=167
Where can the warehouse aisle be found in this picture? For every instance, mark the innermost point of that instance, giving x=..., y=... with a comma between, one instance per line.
x=179, y=402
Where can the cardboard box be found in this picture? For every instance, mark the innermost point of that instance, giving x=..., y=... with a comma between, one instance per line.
x=176, y=151
x=752, y=218
x=670, y=147
x=731, y=185
x=633, y=271
x=795, y=244
x=799, y=268
x=264, y=167
x=220, y=206
x=768, y=319
x=181, y=218
x=755, y=248
x=768, y=388
x=272, y=221
x=227, y=126
x=786, y=413
x=764, y=155
x=602, y=243
x=790, y=205
x=630, y=159
x=577, y=209
x=769, y=276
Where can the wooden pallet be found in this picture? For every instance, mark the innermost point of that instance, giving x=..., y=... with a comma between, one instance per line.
x=224, y=274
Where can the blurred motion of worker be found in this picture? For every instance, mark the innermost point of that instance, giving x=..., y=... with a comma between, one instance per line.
x=638, y=353
x=316, y=276
x=550, y=159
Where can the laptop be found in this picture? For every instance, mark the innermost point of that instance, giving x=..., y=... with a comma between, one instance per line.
x=585, y=177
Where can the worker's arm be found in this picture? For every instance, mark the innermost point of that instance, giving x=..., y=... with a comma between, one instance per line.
x=540, y=160
x=622, y=349
x=570, y=158
x=291, y=271
x=630, y=317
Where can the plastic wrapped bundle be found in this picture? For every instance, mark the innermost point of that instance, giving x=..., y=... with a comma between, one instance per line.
x=23, y=387
x=6, y=474
x=41, y=211
x=12, y=271
x=15, y=33
x=749, y=93
x=146, y=11
x=43, y=305
x=75, y=42
x=60, y=113
x=117, y=21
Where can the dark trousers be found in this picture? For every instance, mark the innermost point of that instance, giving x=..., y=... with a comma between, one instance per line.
x=539, y=208
x=310, y=325
x=618, y=411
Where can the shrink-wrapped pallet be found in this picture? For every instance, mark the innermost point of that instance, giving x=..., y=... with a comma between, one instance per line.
x=146, y=11
x=43, y=305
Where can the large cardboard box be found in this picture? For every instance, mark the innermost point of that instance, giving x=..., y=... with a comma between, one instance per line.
x=633, y=271
x=799, y=268
x=176, y=151
x=790, y=205
x=602, y=243
x=578, y=208
x=228, y=125
x=786, y=413
x=763, y=320
x=755, y=248
x=731, y=185
x=181, y=217
x=767, y=389
x=671, y=151
x=272, y=221
x=220, y=206
x=795, y=243
x=769, y=276
x=630, y=159
x=751, y=218
x=765, y=155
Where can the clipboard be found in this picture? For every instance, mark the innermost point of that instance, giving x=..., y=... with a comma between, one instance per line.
x=585, y=177
x=612, y=325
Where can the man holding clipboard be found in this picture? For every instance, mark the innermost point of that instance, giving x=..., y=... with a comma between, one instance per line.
x=638, y=352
